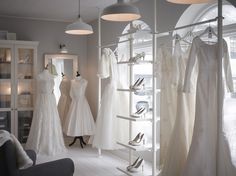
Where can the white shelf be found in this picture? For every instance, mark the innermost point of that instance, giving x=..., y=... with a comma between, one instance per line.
x=145, y=173
x=135, y=63
x=135, y=148
x=136, y=91
x=140, y=119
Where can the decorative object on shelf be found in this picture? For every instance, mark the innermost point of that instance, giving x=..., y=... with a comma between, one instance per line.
x=190, y=1
x=79, y=27
x=142, y=104
x=11, y=36
x=138, y=57
x=121, y=11
x=138, y=140
x=138, y=85
x=137, y=166
x=3, y=35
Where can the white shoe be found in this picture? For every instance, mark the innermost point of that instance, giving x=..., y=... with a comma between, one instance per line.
x=137, y=141
x=139, y=167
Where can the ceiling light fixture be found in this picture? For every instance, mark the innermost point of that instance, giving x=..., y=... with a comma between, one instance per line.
x=121, y=11
x=190, y=1
x=79, y=27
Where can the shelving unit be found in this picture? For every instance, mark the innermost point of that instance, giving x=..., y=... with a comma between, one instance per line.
x=17, y=86
x=149, y=117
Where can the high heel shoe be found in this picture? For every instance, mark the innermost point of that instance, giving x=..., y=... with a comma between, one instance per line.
x=132, y=165
x=137, y=137
x=138, y=57
x=137, y=85
x=137, y=142
x=139, y=167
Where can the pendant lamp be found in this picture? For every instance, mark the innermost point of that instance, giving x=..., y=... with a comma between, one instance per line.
x=121, y=11
x=79, y=27
x=190, y=1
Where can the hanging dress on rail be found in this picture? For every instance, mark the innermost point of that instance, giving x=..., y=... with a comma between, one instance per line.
x=64, y=100
x=180, y=139
x=45, y=135
x=107, y=126
x=201, y=160
x=79, y=120
x=167, y=98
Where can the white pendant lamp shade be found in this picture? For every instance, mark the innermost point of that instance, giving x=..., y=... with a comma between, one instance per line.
x=190, y=1
x=79, y=28
x=121, y=11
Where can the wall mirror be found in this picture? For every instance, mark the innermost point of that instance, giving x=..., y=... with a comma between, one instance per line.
x=59, y=65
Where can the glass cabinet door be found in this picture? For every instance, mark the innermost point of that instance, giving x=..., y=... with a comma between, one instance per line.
x=6, y=97
x=25, y=77
x=24, y=124
x=5, y=120
x=25, y=90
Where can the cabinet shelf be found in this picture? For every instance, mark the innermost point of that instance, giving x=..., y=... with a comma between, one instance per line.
x=5, y=62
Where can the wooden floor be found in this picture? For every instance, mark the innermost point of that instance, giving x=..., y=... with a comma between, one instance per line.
x=87, y=162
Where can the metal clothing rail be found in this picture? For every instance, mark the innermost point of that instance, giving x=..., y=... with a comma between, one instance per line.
x=114, y=44
x=188, y=26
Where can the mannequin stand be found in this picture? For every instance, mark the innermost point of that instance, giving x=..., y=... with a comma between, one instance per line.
x=80, y=139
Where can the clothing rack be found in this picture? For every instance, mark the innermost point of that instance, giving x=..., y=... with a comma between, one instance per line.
x=156, y=35
x=188, y=26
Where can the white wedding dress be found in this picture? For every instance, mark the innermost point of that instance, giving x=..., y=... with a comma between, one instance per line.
x=181, y=136
x=201, y=160
x=109, y=129
x=64, y=100
x=45, y=135
x=168, y=98
x=79, y=120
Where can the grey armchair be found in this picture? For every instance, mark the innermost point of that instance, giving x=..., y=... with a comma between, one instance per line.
x=8, y=167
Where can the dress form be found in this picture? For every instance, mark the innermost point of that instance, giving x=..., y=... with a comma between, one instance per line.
x=79, y=121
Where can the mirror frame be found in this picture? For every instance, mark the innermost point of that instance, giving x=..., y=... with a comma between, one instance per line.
x=63, y=56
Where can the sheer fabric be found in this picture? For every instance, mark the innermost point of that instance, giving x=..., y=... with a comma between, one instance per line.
x=45, y=135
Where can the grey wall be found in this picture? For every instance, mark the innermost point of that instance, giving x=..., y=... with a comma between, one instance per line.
x=50, y=35
x=167, y=17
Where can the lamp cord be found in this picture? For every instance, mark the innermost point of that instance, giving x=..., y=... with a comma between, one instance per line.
x=79, y=8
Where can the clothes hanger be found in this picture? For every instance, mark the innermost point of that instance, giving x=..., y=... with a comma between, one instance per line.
x=209, y=31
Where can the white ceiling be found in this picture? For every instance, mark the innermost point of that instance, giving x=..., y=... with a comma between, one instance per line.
x=54, y=10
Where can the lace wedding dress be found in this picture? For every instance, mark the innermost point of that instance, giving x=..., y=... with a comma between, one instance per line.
x=166, y=68
x=202, y=156
x=64, y=100
x=45, y=135
x=79, y=120
x=181, y=135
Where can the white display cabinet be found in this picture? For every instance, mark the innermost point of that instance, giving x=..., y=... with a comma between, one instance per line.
x=17, y=86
